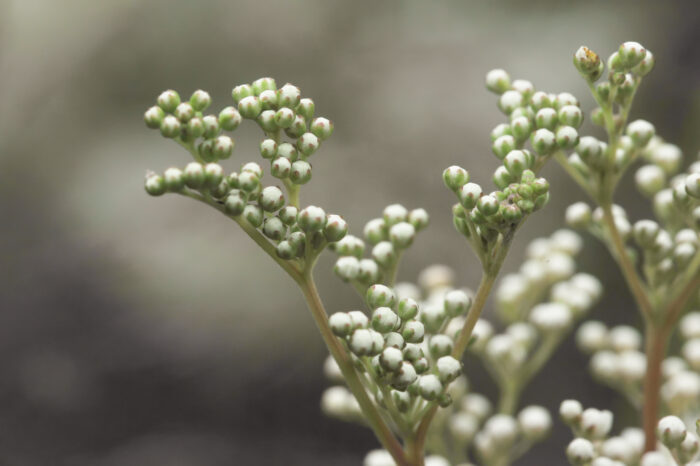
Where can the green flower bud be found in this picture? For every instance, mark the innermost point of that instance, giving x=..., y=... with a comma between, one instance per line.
x=285, y=117
x=369, y=271
x=193, y=175
x=380, y=296
x=590, y=150
x=193, y=129
x=220, y=191
x=429, y=386
x=588, y=63
x=340, y=324
x=248, y=181
x=516, y=162
x=440, y=345
x=598, y=117
x=173, y=179
x=153, y=117
x=543, y=141
x=671, y=431
x=433, y=317
x=154, y=185
x=419, y=218
x=223, y=147
x=347, y=268
x=645, y=233
x=350, y=246
x=631, y=54
x=375, y=231
x=249, y=107
x=511, y=213
x=521, y=128
x=645, y=66
x=271, y=199
x=394, y=340
x=448, y=368
x=287, y=151
x=322, y=128
x=298, y=127
x=263, y=84
x=213, y=174
x=274, y=229
x=567, y=137
x=405, y=376
x=184, y=112
x=413, y=331
x=540, y=186
x=254, y=168
x=384, y=254
x=540, y=100
x=412, y=352
x=268, y=100
x=546, y=118
x=641, y=132
x=563, y=99
x=497, y=81
x=421, y=365
x=469, y=194
x=268, y=149
x=457, y=302
x=503, y=145
x=692, y=185
x=570, y=115
x=336, y=228
x=311, y=219
x=502, y=177
x=300, y=172
x=204, y=149
x=266, y=120
x=200, y=100
x=402, y=235
x=408, y=309
x=281, y=168
x=308, y=144
x=455, y=177
x=509, y=101
x=229, y=118
x=169, y=100
x=253, y=214
x=170, y=127
x=288, y=96
x=384, y=320
x=391, y=359
x=650, y=179
x=211, y=126
x=524, y=88
x=288, y=214
x=235, y=203
x=578, y=215
x=297, y=240
x=394, y=214
x=502, y=129
x=306, y=108
x=241, y=92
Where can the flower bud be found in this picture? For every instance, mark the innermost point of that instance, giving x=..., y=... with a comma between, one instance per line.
x=341, y=324
x=169, y=100
x=336, y=228
x=154, y=117
x=248, y=181
x=405, y=376
x=578, y=215
x=429, y=386
x=281, y=168
x=631, y=54
x=173, y=179
x=502, y=129
x=563, y=99
x=284, y=117
x=419, y=218
x=503, y=145
x=516, y=162
x=570, y=411
x=546, y=118
x=646, y=232
x=641, y=132
x=408, y=309
x=570, y=115
x=384, y=320
x=322, y=128
x=535, y=423
x=274, y=229
x=650, y=179
x=170, y=127
x=369, y=271
x=592, y=337
x=384, y=254
x=580, y=452
x=524, y=87
x=249, y=107
x=692, y=185
x=300, y=172
x=543, y=141
x=375, y=231
x=448, y=368
x=521, y=128
x=311, y=219
x=509, y=101
x=551, y=317
x=240, y=92
x=671, y=431
x=440, y=345
x=361, y=342
x=588, y=63
x=469, y=194
x=307, y=144
x=455, y=177
x=271, y=199
x=487, y=205
x=154, y=185
x=497, y=81
x=402, y=235
x=567, y=137
x=391, y=359
x=596, y=423
x=457, y=302
x=235, y=203
x=394, y=214
x=306, y=108
x=211, y=126
x=380, y=296
x=222, y=147
x=645, y=66
x=266, y=120
x=350, y=245
x=413, y=331
x=395, y=340
x=268, y=99
x=263, y=84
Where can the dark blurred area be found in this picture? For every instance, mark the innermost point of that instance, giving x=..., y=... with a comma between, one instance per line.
x=136, y=331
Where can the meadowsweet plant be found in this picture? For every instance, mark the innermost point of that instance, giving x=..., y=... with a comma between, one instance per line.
x=397, y=360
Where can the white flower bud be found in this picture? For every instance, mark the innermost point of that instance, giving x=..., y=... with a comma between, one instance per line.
x=672, y=366
x=551, y=317
x=668, y=157
x=311, y=219
x=605, y=365
x=405, y=376
x=384, y=320
x=592, y=336
x=378, y=458
x=347, y=268
x=596, y=423
x=463, y=426
x=691, y=353
x=369, y=271
x=402, y=235
x=457, y=302
x=650, y=179
x=682, y=388
x=535, y=423
x=503, y=350
x=509, y=101
x=341, y=323
x=578, y=215
x=641, y=132
x=655, y=458
x=671, y=431
x=391, y=358
x=380, y=295
x=429, y=386
x=566, y=241
x=394, y=214
x=624, y=337
x=339, y=402
x=435, y=460
x=502, y=429
x=435, y=277
x=413, y=331
x=690, y=325
x=384, y=254
x=631, y=54
x=497, y=81
x=477, y=405
x=580, y=451
x=448, y=369
x=523, y=334
x=331, y=370
x=692, y=185
x=570, y=411
x=632, y=366
x=589, y=284
x=689, y=447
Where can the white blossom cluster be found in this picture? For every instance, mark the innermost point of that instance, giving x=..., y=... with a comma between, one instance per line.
x=594, y=446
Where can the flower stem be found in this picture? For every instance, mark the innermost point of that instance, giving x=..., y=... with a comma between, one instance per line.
x=656, y=342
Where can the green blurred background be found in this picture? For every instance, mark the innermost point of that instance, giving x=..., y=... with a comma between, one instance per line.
x=136, y=331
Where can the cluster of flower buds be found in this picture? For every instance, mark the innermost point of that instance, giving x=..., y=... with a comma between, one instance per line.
x=681, y=388
x=548, y=121
x=383, y=458
x=616, y=357
x=593, y=445
x=390, y=235
x=669, y=251
x=482, y=217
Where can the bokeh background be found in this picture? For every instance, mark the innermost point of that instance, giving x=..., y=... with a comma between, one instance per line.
x=141, y=331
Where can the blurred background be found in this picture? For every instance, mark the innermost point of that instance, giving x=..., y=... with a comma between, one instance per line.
x=136, y=331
